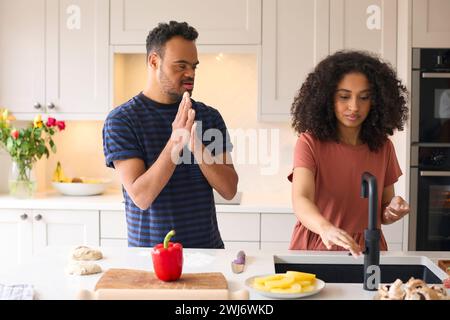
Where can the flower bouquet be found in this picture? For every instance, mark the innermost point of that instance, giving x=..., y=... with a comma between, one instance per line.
x=26, y=146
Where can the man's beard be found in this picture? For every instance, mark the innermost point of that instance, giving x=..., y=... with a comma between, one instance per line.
x=168, y=87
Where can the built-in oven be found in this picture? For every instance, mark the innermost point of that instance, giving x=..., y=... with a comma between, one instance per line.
x=430, y=108
x=430, y=199
x=429, y=221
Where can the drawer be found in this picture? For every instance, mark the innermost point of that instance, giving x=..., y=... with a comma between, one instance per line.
x=114, y=242
x=266, y=245
x=277, y=227
x=241, y=245
x=113, y=224
x=238, y=226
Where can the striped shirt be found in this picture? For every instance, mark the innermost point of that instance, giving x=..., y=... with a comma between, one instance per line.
x=140, y=128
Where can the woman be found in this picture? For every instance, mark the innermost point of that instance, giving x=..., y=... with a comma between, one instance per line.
x=344, y=113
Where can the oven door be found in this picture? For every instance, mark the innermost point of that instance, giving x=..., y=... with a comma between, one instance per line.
x=433, y=211
x=432, y=106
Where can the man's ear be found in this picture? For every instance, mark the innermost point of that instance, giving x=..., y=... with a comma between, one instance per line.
x=153, y=60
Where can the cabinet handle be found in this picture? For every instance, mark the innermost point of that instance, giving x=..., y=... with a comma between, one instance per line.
x=51, y=106
x=436, y=75
x=435, y=173
x=24, y=216
x=37, y=106
x=37, y=217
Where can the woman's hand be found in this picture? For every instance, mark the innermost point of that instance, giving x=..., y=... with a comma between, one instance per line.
x=332, y=235
x=396, y=210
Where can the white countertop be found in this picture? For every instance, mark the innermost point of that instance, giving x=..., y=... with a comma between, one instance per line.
x=46, y=271
x=113, y=200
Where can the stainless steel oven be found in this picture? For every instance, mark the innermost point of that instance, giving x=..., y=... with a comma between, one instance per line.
x=429, y=227
x=430, y=108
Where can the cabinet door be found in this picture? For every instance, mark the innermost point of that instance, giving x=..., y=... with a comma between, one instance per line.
x=393, y=233
x=364, y=25
x=77, y=57
x=64, y=227
x=15, y=236
x=113, y=225
x=430, y=23
x=277, y=227
x=238, y=226
x=217, y=21
x=22, y=55
x=295, y=38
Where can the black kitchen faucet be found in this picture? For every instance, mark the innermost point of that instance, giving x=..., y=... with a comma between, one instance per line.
x=371, y=234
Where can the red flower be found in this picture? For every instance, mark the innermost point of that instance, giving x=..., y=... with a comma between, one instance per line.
x=61, y=125
x=51, y=122
x=15, y=134
x=446, y=283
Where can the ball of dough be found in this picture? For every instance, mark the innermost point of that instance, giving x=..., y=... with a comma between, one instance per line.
x=86, y=253
x=82, y=268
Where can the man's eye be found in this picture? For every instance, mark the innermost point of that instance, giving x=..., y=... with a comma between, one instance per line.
x=181, y=66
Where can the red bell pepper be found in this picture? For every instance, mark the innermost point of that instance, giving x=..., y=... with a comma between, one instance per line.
x=168, y=259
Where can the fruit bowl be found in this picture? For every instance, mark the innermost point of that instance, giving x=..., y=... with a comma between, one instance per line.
x=89, y=187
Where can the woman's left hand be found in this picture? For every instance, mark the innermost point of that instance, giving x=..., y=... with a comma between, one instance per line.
x=396, y=209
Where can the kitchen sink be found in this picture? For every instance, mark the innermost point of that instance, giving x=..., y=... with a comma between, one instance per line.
x=343, y=269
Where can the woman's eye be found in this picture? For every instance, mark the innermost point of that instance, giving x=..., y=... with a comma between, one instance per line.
x=344, y=97
x=365, y=98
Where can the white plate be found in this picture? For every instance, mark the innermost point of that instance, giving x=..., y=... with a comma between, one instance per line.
x=319, y=285
x=81, y=189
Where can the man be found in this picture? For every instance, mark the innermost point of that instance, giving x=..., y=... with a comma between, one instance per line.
x=166, y=170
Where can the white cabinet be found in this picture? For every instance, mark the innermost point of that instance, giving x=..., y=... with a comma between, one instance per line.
x=239, y=231
x=294, y=39
x=54, y=57
x=239, y=226
x=298, y=34
x=15, y=236
x=78, y=57
x=430, y=23
x=25, y=232
x=364, y=25
x=113, y=228
x=276, y=230
x=22, y=58
x=393, y=233
x=277, y=227
x=64, y=227
x=217, y=21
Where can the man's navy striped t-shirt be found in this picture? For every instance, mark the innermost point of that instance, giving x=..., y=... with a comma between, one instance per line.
x=140, y=128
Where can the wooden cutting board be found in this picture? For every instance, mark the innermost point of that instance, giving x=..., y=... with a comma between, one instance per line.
x=140, y=279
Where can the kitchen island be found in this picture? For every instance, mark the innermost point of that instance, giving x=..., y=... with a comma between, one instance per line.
x=46, y=271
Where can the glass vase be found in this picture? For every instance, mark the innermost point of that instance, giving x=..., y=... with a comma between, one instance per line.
x=22, y=182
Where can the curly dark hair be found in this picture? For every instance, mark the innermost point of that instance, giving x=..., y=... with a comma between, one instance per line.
x=158, y=37
x=313, y=107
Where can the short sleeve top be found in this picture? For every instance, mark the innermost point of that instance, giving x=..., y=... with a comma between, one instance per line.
x=140, y=128
x=337, y=170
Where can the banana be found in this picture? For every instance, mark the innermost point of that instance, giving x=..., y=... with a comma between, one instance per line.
x=58, y=174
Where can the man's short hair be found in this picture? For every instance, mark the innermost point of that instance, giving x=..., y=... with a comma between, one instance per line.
x=158, y=37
